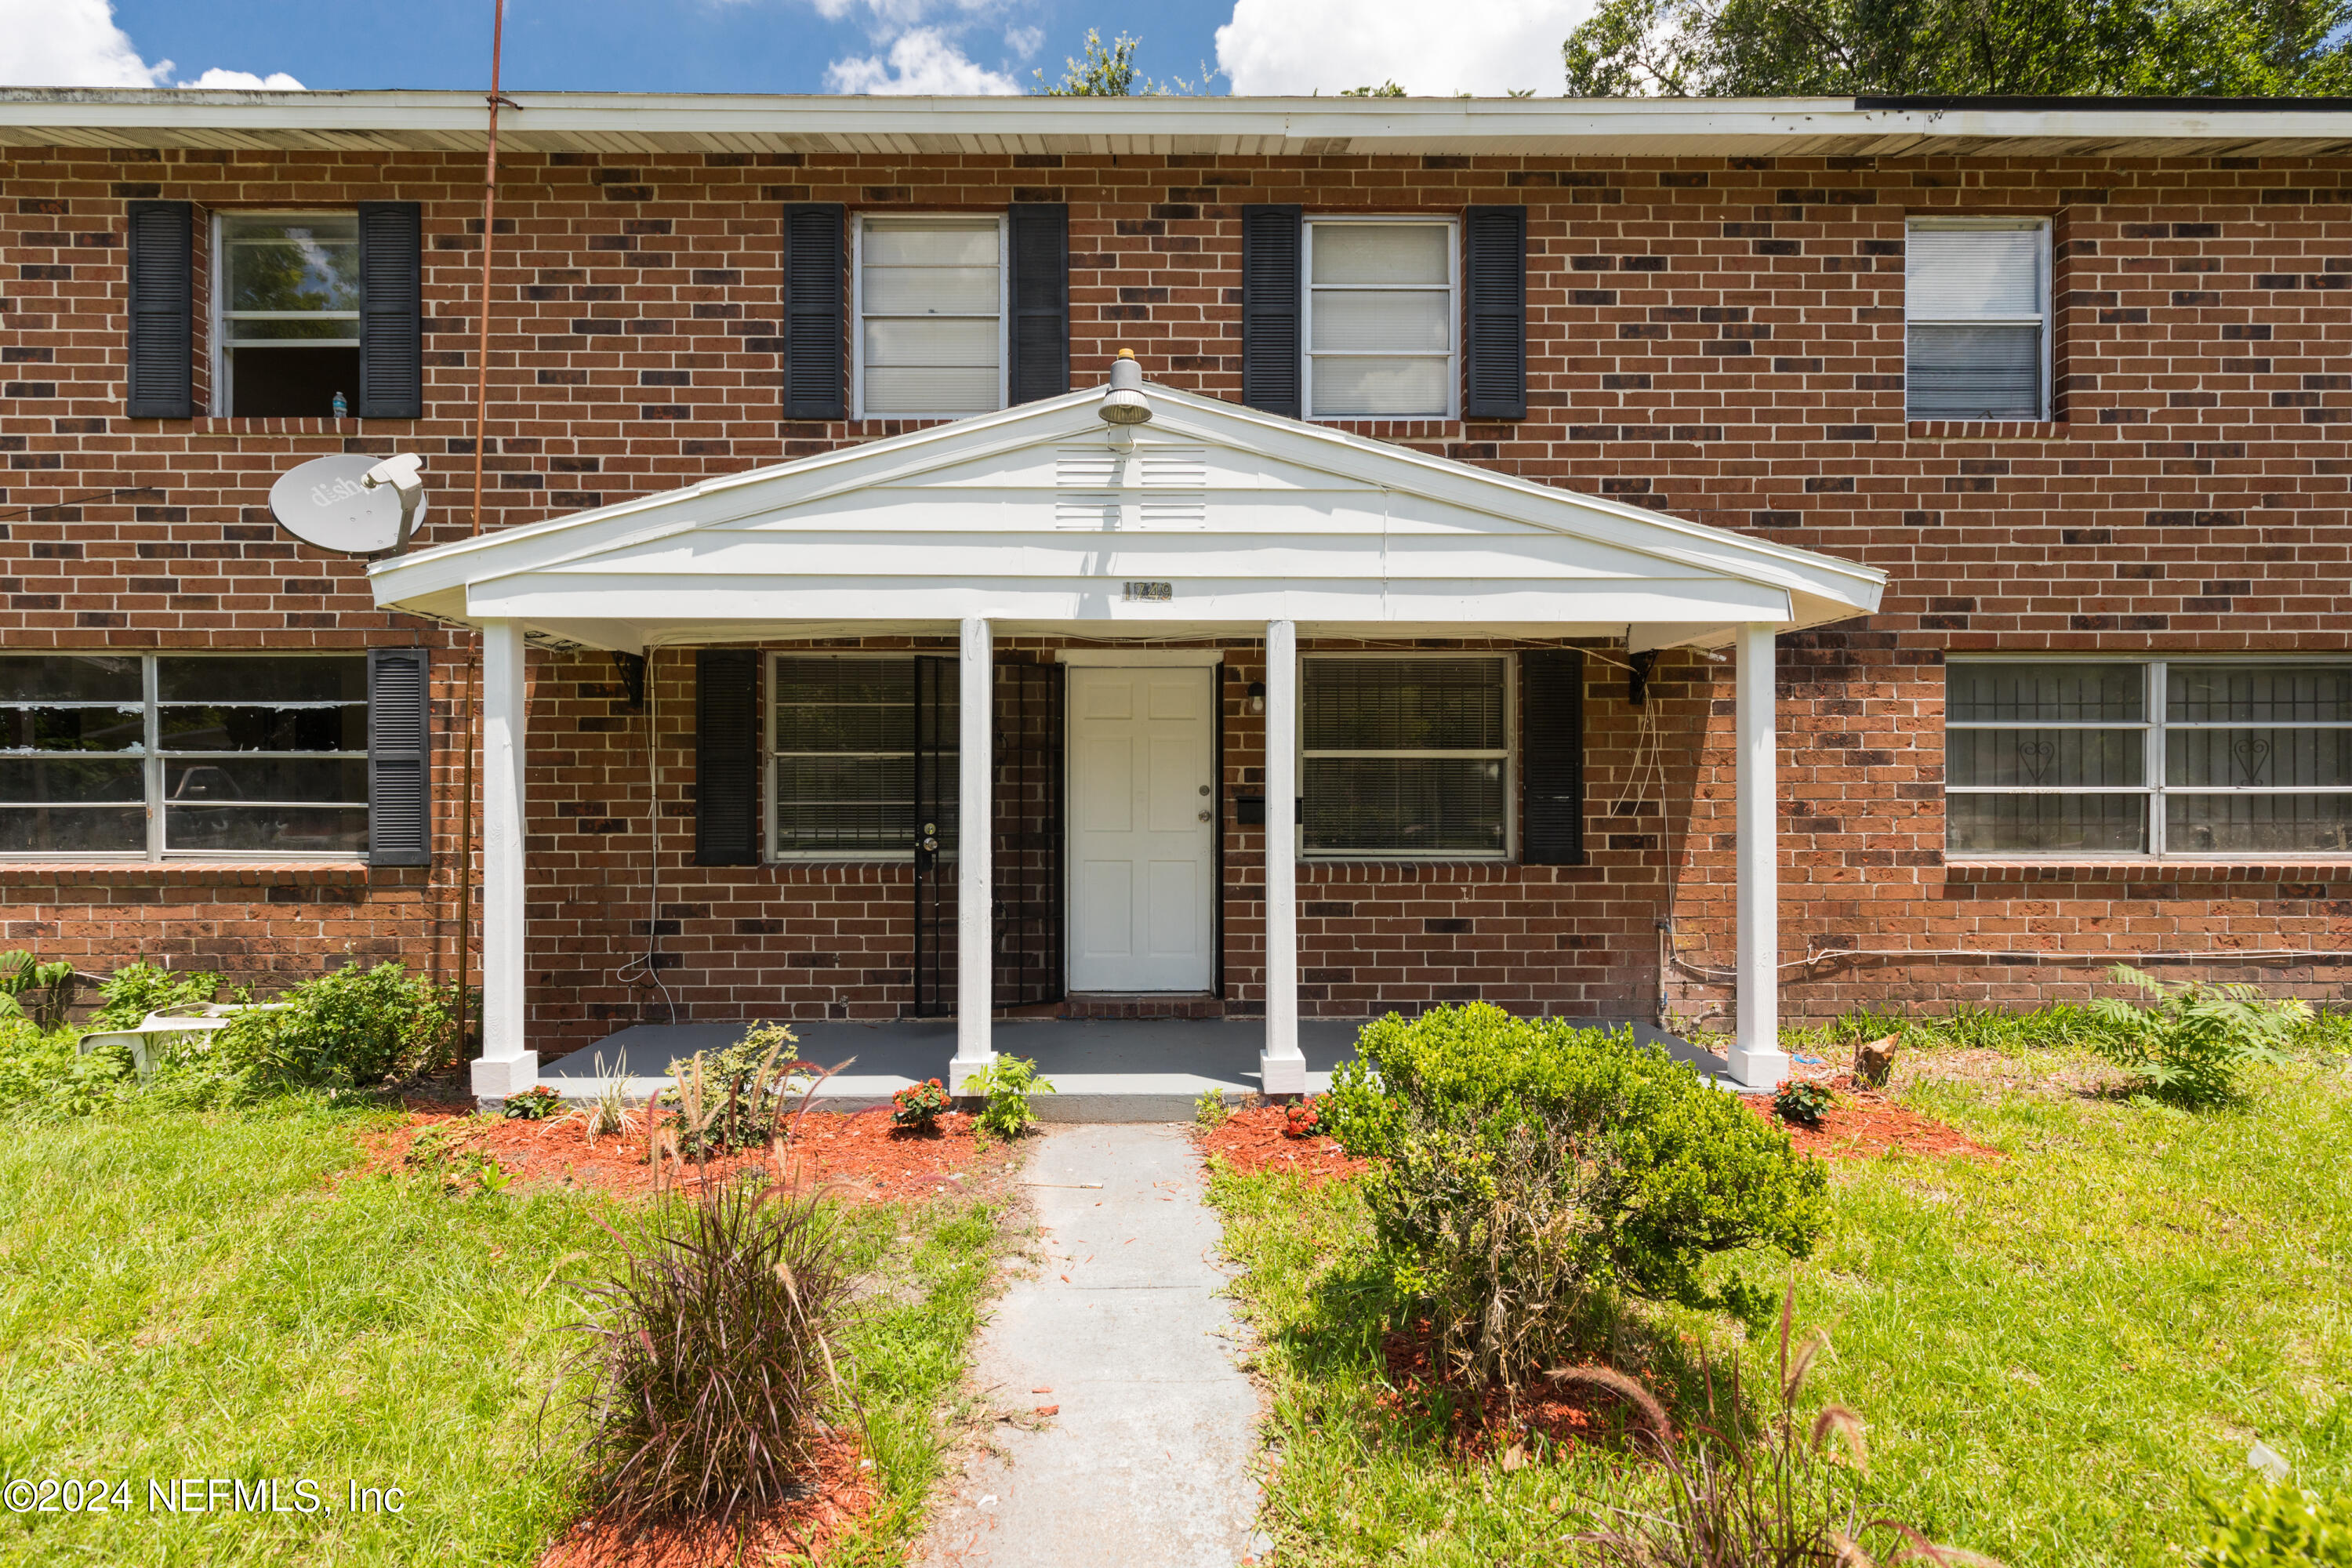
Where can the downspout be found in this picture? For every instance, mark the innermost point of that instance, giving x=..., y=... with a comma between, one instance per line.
x=473, y=678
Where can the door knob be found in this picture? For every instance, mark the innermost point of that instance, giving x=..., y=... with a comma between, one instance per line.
x=931, y=844
x=1205, y=816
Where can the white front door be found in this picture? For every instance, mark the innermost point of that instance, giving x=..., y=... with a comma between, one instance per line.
x=1143, y=826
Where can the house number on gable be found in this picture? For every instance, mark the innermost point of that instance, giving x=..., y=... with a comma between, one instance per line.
x=1150, y=590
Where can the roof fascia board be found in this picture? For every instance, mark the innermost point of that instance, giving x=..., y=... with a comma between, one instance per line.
x=1359, y=125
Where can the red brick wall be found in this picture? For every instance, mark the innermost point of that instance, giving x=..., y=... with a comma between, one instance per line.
x=1719, y=339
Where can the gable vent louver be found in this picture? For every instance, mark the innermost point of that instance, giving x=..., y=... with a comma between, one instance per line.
x=1175, y=487
x=1086, y=487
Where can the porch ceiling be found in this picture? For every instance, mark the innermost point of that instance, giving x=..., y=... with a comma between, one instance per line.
x=1038, y=518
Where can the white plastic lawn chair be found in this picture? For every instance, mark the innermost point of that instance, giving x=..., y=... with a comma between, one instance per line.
x=160, y=1029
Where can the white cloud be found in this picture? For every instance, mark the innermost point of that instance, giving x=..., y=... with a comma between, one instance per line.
x=922, y=61
x=275, y=81
x=74, y=42
x=1024, y=41
x=1301, y=46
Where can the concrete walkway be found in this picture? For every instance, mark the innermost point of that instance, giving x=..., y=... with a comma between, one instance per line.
x=1147, y=1462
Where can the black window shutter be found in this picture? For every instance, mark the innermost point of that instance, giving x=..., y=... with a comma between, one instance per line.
x=1041, y=300
x=1270, y=308
x=399, y=756
x=1554, y=771
x=726, y=757
x=1494, y=267
x=163, y=368
x=814, y=263
x=391, y=311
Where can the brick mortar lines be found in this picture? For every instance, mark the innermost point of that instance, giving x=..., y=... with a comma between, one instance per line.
x=1712, y=338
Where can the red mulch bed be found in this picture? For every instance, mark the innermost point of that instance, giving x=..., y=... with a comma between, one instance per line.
x=1864, y=1124
x=804, y=1531
x=860, y=1154
x=1486, y=1422
x=1252, y=1141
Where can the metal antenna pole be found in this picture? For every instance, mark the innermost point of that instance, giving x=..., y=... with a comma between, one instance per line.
x=481, y=421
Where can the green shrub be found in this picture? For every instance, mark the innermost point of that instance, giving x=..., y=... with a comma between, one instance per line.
x=2273, y=1525
x=2187, y=1044
x=1004, y=1087
x=735, y=1099
x=43, y=1072
x=349, y=1029
x=1532, y=1165
x=31, y=989
x=126, y=996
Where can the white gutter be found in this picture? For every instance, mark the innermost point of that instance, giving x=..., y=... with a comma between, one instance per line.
x=553, y=120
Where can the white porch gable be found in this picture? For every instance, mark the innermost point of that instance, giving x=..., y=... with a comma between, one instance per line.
x=1039, y=516
x=1210, y=520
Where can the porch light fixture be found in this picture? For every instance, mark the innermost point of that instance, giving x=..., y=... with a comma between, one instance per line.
x=1125, y=404
x=1256, y=699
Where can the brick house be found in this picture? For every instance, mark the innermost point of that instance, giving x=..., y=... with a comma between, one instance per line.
x=2006, y=436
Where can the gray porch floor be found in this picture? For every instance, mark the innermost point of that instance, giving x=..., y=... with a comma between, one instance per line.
x=1121, y=1070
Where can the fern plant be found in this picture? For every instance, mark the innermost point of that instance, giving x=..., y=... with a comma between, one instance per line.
x=2188, y=1043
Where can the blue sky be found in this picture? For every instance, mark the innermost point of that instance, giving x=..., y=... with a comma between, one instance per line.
x=1258, y=46
x=645, y=46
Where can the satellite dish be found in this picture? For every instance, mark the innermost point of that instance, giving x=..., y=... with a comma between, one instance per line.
x=329, y=503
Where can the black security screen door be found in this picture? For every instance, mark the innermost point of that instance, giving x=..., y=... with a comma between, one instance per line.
x=935, y=723
x=1027, y=842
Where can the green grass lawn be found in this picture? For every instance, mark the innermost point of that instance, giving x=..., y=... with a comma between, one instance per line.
x=2050, y=1350
x=188, y=1295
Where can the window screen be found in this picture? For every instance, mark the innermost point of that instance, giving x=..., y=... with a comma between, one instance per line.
x=930, y=301
x=845, y=755
x=1977, y=305
x=1379, y=319
x=2162, y=757
x=226, y=755
x=289, y=313
x=1406, y=756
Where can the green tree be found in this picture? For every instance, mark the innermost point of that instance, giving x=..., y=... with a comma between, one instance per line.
x=1109, y=72
x=1099, y=73
x=1677, y=49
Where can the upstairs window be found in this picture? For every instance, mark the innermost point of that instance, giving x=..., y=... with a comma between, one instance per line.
x=1977, y=319
x=288, y=317
x=149, y=755
x=2165, y=757
x=930, y=316
x=1380, y=319
x=1406, y=758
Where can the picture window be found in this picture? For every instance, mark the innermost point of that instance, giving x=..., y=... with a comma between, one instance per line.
x=2180, y=757
x=153, y=755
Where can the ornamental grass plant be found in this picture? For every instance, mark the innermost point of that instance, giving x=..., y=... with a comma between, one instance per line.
x=708, y=1358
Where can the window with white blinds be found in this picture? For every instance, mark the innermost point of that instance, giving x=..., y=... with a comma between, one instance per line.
x=1976, y=318
x=1406, y=758
x=1381, y=313
x=930, y=316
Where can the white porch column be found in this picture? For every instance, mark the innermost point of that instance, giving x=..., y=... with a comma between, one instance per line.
x=975, y=892
x=507, y=1064
x=1757, y=1059
x=1282, y=1067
